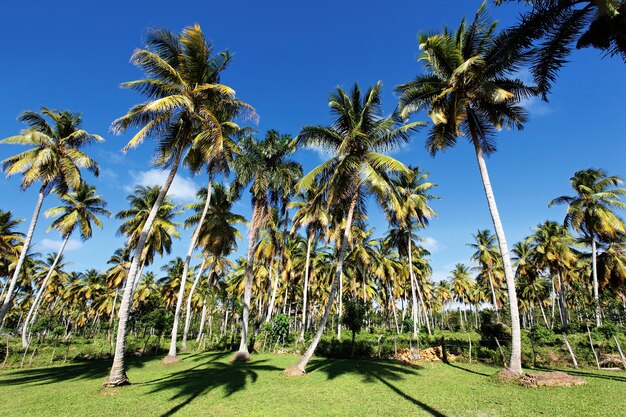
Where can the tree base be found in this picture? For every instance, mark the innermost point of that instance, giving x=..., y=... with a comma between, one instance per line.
x=550, y=379
x=506, y=376
x=240, y=357
x=294, y=370
x=116, y=382
x=169, y=359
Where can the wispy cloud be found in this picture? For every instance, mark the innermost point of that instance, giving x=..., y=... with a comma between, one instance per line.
x=323, y=154
x=432, y=245
x=55, y=245
x=112, y=157
x=108, y=174
x=183, y=189
x=535, y=106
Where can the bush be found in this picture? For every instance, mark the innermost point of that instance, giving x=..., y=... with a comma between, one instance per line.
x=490, y=329
x=541, y=334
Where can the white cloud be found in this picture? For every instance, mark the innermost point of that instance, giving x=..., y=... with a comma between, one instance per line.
x=55, y=245
x=108, y=173
x=432, y=245
x=537, y=107
x=112, y=157
x=534, y=105
x=323, y=154
x=183, y=189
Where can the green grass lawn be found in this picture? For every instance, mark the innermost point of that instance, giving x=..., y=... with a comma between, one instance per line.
x=205, y=384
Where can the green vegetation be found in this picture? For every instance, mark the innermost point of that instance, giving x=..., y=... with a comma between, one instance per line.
x=206, y=384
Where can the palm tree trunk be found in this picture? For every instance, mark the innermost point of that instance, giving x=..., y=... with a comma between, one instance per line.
x=413, y=294
x=243, y=354
x=596, y=295
x=562, y=304
x=18, y=268
x=306, y=283
x=32, y=313
x=515, y=364
x=139, y=274
x=272, y=300
x=183, y=345
x=281, y=254
x=117, y=376
x=171, y=355
x=419, y=291
x=299, y=367
x=340, y=313
x=112, y=313
x=543, y=313
x=395, y=315
x=493, y=294
x=552, y=301
x=202, y=321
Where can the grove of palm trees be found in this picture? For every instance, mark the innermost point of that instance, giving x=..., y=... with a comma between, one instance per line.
x=439, y=238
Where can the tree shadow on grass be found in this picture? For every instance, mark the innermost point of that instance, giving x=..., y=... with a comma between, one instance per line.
x=188, y=384
x=471, y=371
x=372, y=371
x=93, y=369
x=618, y=378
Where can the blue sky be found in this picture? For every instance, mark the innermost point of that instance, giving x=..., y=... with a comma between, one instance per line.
x=288, y=57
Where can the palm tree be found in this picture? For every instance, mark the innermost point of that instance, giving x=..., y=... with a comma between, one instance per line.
x=406, y=210
x=612, y=268
x=116, y=275
x=218, y=235
x=54, y=160
x=590, y=214
x=469, y=92
x=486, y=254
x=54, y=268
x=558, y=25
x=217, y=156
x=80, y=209
x=266, y=165
x=10, y=240
x=164, y=228
x=552, y=246
x=170, y=283
x=185, y=99
x=312, y=215
x=461, y=284
x=355, y=138
x=532, y=284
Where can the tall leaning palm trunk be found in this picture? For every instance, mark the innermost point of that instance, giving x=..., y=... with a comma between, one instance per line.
x=281, y=255
x=32, y=313
x=493, y=293
x=515, y=365
x=299, y=367
x=305, y=290
x=183, y=345
x=6, y=304
x=171, y=355
x=413, y=293
x=117, y=376
x=417, y=287
x=243, y=354
x=596, y=295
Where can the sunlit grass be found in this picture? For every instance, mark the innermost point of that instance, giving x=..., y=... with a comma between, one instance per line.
x=206, y=384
